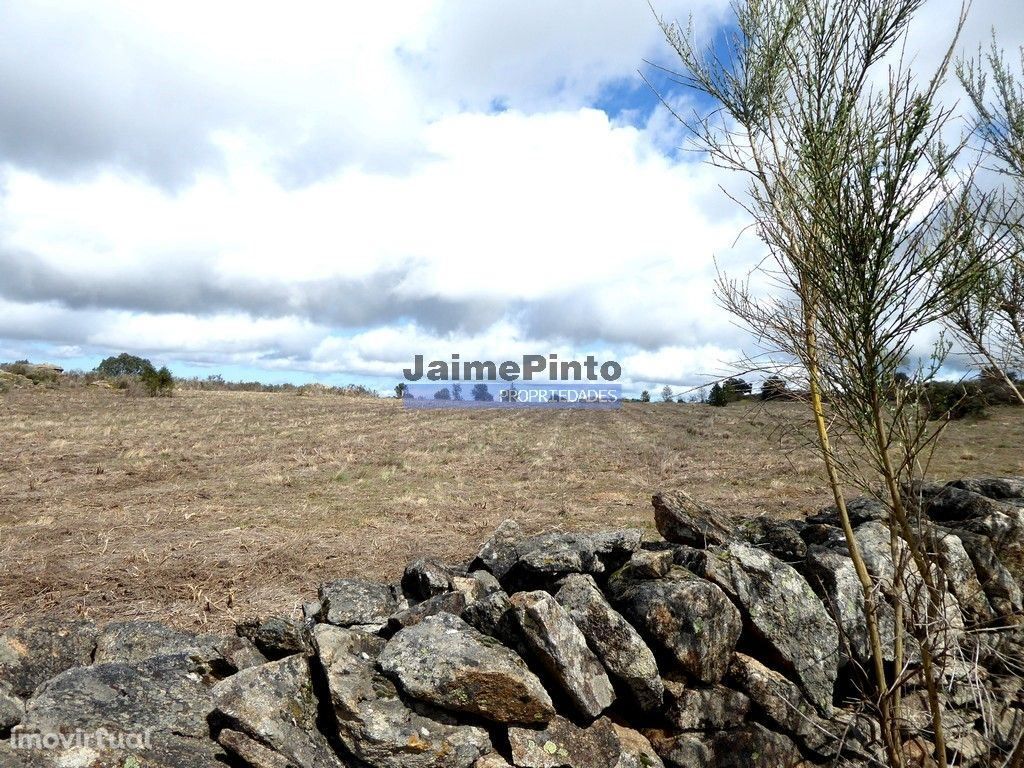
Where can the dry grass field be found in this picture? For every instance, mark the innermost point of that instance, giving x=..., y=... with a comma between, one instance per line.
x=210, y=506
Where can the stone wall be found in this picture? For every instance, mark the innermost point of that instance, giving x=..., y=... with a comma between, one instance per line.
x=713, y=643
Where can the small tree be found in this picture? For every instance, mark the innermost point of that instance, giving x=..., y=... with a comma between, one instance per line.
x=481, y=394
x=443, y=394
x=456, y=391
x=401, y=390
x=158, y=383
x=645, y=396
x=666, y=393
x=718, y=396
x=774, y=388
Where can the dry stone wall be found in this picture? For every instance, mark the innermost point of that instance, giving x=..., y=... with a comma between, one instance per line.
x=713, y=643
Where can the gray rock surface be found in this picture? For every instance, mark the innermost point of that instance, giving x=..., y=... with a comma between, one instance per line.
x=621, y=650
x=687, y=618
x=781, y=610
x=445, y=662
x=562, y=744
x=705, y=708
x=276, y=636
x=357, y=602
x=426, y=577
x=561, y=649
x=373, y=722
x=683, y=520
x=32, y=654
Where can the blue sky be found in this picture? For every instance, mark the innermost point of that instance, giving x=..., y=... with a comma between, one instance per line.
x=321, y=191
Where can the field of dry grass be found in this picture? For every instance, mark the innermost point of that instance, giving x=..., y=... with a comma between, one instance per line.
x=210, y=506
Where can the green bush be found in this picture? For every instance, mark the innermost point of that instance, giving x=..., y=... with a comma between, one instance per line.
x=158, y=383
x=125, y=365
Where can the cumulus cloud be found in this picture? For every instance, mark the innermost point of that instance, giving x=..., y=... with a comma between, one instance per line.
x=333, y=188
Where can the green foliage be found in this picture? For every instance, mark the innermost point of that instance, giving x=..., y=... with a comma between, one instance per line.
x=774, y=388
x=125, y=365
x=401, y=390
x=645, y=396
x=947, y=400
x=718, y=397
x=158, y=383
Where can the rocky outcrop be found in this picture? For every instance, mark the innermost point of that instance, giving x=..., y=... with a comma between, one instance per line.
x=721, y=643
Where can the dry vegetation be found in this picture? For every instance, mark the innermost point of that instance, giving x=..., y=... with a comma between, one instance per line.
x=210, y=506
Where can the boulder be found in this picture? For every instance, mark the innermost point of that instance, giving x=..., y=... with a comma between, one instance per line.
x=446, y=602
x=616, y=643
x=33, y=654
x=499, y=553
x=356, y=602
x=683, y=520
x=12, y=709
x=705, y=708
x=373, y=722
x=745, y=747
x=560, y=648
x=133, y=641
x=779, y=537
x=252, y=753
x=780, y=609
x=833, y=578
x=493, y=616
x=998, y=488
x=650, y=564
x=155, y=709
x=688, y=619
x=961, y=578
x=424, y=578
x=543, y=560
x=445, y=662
x=860, y=510
x=276, y=636
x=1001, y=589
x=635, y=751
x=275, y=705
x=956, y=504
x=780, y=702
x=561, y=744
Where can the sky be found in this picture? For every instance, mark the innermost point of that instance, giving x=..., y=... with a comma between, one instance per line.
x=319, y=191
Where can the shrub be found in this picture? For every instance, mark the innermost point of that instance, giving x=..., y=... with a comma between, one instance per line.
x=645, y=396
x=158, y=383
x=719, y=396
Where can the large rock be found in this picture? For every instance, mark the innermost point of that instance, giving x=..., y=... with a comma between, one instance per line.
x=705, y=708
x=33, y=654
x=688, y=619
x=683, y=520
x=12, y=709
x=561, y=744
x=356, y=602
x=499, y=553
x=561, y=649
x=1001, y=588
x=446, y=602
x=275, y=705
x=424, y=578
x=133, y=641
x=275, y=636
x=746, y=747
x=780, y=537
x=543, y=560
x=860, y=510
x=445, y=662
x=373, y=722
x=780, y=702
x=999, y=488
x=962, y=578
x=833, y=577
x=155, y=709
x=617, y=644
x=781, y=610
x=251, y=752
